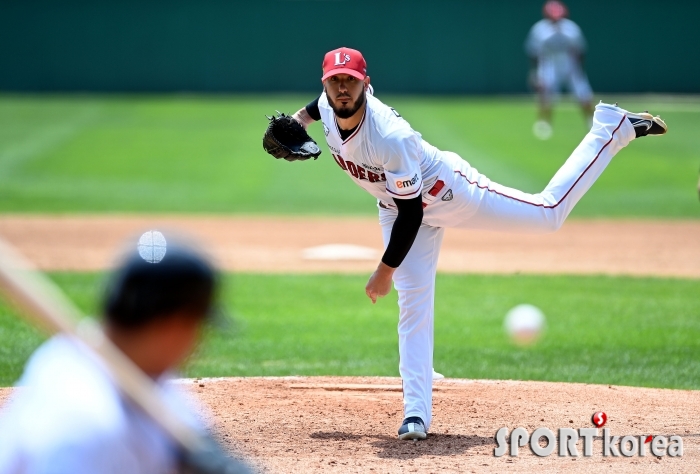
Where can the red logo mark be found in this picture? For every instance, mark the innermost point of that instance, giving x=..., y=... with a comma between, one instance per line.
x=437, y=187
x=599, y=418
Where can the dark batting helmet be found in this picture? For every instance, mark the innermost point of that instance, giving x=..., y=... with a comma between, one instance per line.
x=143, y=289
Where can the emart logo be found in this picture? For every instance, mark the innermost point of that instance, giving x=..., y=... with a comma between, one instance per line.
x=407, y=183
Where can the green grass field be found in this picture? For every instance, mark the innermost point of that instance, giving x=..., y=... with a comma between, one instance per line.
x=629, y=331
x=204, y=154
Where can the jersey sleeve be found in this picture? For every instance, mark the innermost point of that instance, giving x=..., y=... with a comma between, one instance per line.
x=401, y=153
x=577, y=39
x=312, y=109
x=533, y=42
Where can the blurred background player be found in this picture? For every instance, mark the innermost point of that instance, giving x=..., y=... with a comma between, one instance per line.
x=69, y=417
x=556, y=49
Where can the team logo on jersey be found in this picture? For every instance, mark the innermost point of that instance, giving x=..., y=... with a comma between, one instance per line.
x=346, y=58
x=395, y=112
x=357, y=171
x=407, y=183
x=325, y=129
x=448, y=195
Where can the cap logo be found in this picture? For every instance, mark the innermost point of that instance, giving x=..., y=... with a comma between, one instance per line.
x=346, y=58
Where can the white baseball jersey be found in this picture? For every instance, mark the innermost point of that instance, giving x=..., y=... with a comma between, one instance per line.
x=68, y=417
x=557, y=46
x=384, y=155
x=555, y=41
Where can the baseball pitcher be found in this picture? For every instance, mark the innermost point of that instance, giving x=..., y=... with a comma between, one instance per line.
x=421, y=190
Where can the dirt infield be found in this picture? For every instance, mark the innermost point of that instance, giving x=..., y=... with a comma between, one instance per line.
x=276, y=244
x=334, y=424
x=348, y=424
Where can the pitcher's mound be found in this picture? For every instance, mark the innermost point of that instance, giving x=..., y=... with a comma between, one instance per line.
x=349, y=424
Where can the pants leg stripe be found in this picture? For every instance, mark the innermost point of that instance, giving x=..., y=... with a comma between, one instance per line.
x=552, y=206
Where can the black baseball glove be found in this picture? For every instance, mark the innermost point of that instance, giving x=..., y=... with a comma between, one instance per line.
x=286, y=138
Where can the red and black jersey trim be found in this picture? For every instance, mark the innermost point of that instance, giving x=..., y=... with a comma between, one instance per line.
x=402, y=195
x=357, y=129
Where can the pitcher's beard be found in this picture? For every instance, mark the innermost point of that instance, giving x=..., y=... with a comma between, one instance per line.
x=344, y=112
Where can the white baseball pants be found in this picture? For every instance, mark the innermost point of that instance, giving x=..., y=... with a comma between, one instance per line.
x=553, y=78
x=479, y=203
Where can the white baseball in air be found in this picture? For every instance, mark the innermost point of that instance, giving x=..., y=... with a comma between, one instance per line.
x=524, y=324
x=152, y=246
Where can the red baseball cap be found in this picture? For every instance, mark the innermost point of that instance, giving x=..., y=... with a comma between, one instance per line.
x=555, y=10
x=344, y=61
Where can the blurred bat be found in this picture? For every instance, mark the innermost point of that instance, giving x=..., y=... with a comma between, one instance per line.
x=47, y=306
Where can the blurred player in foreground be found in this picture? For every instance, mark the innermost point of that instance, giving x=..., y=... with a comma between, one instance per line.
x=556, y=47
x=68, y=416
x=421, y=190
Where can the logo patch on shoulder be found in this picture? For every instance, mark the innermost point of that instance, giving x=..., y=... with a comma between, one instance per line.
x=325, y=129
x=448, y=195
x=407, y=183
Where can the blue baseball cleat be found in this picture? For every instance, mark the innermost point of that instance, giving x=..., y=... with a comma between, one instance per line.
x=412, y=428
